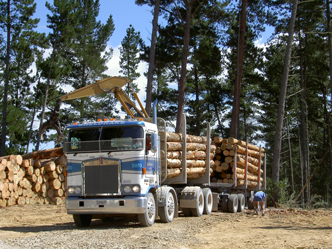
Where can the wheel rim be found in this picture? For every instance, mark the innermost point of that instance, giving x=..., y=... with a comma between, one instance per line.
x=201, y=202
x=151, y=208
x=170, y=205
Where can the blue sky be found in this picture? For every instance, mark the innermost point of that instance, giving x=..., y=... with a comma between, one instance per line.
x=124, y=13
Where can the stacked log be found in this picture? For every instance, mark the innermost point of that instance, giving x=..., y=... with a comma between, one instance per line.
x=27, y=179
x=225, y=158
x=196, y=155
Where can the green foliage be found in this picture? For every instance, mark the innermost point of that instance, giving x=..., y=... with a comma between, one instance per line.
x=278, y=191
x=129, y=57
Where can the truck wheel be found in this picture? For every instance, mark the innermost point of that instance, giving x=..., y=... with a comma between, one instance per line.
x=232, y=203
x=198, y=210
x=242, y=202
x=208, y=201
x=166, y=213
x=82, y=220
x=148, y=217
x=224, y=203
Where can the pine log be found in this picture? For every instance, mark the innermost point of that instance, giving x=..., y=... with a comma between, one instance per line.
x=196, y=163
x=36, y=187
x=29, y=171
x=32, y=178
x=52, y=175
x=3, y=161
x=55, y=184
x=58, y=192
x=232, y=140
x=252, y=160
x=251, y=168
x=45, y=154
x=226, y=152
x=251, y=184
x=174, y=163
x=10, y=175
x=217, y=140
x=26, y=163
x=61, y=160
x=37, y=172
x=49, y=166
x=229, y=159
x=2, y=175
x=249, y=177
x=173, y=172
x=45, y=178
x=219, y=168
x=2, y=167
x=40, y=179
x=252, y=153
x=224, y=166
x=61, y=178
x=57, y=201
x=50, y=193
x=3, y=202
x=250, y=146
x=59, y=169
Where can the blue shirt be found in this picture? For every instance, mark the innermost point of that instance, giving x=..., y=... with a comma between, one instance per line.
x=259, y=196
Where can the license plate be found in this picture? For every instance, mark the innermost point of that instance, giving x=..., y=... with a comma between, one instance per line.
x=101, y=202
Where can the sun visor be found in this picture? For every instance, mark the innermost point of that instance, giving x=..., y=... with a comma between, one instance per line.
x=100, y=86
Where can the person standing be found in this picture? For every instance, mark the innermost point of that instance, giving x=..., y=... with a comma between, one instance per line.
x=259, y=201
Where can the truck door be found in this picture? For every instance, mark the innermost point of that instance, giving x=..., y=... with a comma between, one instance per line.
x=150, y=161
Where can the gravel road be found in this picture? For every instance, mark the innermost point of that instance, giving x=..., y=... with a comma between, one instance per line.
x=49, y=226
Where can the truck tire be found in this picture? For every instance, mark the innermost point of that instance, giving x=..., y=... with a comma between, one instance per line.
x=208, y=201
x=167, y=212
x=224, y=203
x=242, y=202
x=232, y=203
x=198, y=210
x=148, y=217
x=82, y=220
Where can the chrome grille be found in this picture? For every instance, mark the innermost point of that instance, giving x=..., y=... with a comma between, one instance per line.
x=101, y=177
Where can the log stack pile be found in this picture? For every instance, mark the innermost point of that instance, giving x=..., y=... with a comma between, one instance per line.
x=225, y=158
x=196, y=155
x=33, y=178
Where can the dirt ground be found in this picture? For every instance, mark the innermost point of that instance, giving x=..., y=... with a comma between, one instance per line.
x=279, y=228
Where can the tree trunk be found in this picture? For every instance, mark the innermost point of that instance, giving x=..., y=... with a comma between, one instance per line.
x=185, y=52
x=46, y=92
x=237, y=92
x=5, y=95
x=282, y=98
x=152, y=57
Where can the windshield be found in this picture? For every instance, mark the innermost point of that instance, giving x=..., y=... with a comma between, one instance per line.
x=105, y=139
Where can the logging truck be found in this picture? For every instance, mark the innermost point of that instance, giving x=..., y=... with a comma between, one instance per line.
x=133, y=166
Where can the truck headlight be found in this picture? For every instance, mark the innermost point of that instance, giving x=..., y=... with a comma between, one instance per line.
x=77, y=190
x=71, y=190
x=127, y=189
x=136, y=189
x=74, y=190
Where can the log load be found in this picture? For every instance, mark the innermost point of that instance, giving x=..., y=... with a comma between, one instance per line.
x=29, y=179
x=225, y=158
x=196, y=155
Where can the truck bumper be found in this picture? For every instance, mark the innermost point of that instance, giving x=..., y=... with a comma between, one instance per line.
x=128, y=205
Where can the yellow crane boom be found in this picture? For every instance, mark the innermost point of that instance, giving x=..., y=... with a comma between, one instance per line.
x=108, y=85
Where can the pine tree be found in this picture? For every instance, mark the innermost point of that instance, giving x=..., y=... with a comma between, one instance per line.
x=87, y=57
x=22, y=48
x=129, y=57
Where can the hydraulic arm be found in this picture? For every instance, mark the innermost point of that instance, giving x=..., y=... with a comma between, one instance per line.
x=108, y=85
